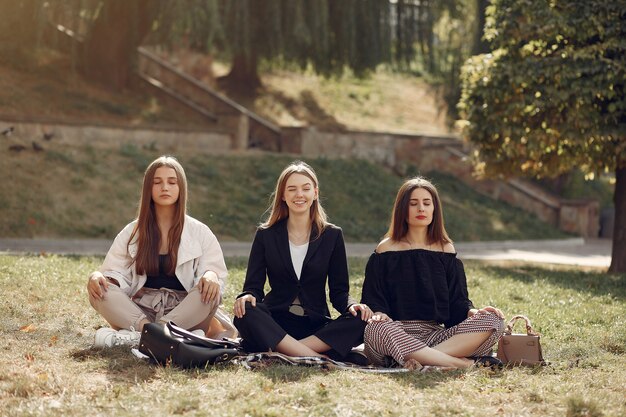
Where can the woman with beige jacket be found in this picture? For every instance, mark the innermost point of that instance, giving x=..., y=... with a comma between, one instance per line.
x=164, y=266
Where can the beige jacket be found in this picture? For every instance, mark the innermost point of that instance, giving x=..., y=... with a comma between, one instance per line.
x=199, y=252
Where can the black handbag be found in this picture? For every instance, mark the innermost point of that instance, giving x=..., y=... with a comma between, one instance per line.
x=171, y=344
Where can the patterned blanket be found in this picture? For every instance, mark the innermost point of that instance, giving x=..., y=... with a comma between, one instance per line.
x=265, y=359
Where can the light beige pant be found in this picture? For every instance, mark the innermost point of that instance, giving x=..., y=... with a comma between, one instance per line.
x=185, y=309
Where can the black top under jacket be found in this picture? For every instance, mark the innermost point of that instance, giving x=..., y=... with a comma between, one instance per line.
x=163, y=280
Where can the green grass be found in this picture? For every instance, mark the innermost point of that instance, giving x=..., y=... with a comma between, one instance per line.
x=48, y=367
x=87, y=192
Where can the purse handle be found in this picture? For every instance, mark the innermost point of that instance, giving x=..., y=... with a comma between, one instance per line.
x=178, y=331
x=529, y=327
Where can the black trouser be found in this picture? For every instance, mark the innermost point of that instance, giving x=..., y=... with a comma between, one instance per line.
x=262, y=330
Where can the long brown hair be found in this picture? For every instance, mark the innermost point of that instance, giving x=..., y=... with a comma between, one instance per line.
x=436, y=232
x=279, y=209
x=148, y=236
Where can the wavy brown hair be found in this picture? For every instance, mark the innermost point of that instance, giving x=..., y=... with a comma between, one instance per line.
x=146, y=232
x=279, y=209
x=399, y=226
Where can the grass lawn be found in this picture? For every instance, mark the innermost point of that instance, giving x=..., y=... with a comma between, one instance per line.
x=49, y=368
x=88, y=192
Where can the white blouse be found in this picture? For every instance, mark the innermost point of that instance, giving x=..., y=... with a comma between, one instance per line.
x=298, y=252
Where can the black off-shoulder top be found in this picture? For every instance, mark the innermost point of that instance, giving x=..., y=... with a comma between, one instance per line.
x=417, y=284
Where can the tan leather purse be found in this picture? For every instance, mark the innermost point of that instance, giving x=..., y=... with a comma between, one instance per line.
x=520, y=349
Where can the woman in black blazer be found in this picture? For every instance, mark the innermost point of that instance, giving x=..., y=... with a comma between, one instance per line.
x=299, y=252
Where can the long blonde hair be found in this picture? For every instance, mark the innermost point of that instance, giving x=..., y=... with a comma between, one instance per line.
x=147, y=230
x=398, y=228
x=279, y=209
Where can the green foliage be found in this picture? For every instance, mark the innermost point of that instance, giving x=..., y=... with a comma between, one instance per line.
x=327, y=35
x=551, y=96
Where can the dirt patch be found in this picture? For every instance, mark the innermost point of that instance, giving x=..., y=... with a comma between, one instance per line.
x=382, y=102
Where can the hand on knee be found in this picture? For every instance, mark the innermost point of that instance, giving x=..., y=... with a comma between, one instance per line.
x=243, y=305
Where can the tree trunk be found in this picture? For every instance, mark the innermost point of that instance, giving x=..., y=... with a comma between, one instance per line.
x=110, y=49
x=480, y=46
x=430, y=40
x=243, y=75
x=618, y=255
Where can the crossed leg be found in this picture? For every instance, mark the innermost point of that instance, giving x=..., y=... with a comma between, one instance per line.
x=430, y=344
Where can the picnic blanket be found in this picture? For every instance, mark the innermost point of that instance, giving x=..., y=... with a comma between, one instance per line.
x=266, y=359
x=263, y=360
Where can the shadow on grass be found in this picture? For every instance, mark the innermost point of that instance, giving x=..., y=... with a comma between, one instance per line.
x=595, y=283
x=420, y=380
x=288, y=374
x=306, y=109
x=432, y=379
x=123, y=366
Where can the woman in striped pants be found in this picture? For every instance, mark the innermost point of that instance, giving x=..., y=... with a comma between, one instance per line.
x=417, y=288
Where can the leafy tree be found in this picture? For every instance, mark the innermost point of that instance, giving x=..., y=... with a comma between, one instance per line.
x=324, y=34
x=480, y=46
x=327, y=36
x=551, y=95
x=112, y=32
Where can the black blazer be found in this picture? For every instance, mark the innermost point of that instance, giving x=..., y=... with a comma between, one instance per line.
x=270, y=258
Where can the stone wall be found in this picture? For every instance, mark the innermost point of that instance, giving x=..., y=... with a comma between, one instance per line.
x=116, y=136
x=378, y=148
x=388, y=149
x=445, y=154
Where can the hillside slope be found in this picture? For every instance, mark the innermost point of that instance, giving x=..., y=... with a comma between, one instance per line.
x=45, y=85
x=87, y=192
x=382, y=102
x=60, y=192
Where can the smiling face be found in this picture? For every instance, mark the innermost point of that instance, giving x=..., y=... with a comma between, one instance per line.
x=165, y=189
x=421, y=208
x=299, y=194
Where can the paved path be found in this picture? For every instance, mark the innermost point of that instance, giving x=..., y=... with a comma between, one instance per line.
x=576, y=251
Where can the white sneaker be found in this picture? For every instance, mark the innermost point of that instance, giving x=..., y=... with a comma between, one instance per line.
x=107, y=337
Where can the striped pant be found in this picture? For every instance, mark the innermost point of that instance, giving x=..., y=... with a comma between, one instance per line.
x=389, y=342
